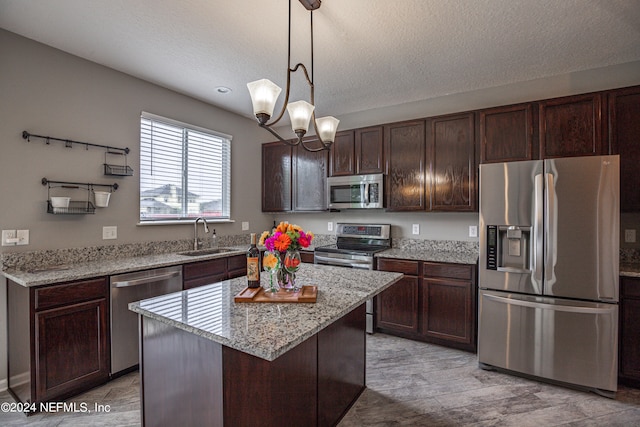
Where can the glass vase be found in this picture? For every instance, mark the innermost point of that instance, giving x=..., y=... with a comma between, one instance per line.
x=289, y=265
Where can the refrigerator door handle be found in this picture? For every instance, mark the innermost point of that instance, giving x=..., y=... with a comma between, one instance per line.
x=538, y=230
x=554, y=307
x=551, y=221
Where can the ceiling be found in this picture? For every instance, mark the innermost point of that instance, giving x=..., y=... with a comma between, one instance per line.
x=368, y=53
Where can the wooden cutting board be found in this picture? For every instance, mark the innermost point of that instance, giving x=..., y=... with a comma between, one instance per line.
x=306, y=294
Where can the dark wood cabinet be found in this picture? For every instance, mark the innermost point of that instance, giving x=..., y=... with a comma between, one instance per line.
x=397, y=306
x=629, y=331
x=506, y=133
x=624, y=137
x=451, y=151
x=310, y=178
x=448, y=305
x=342, y=157
x=276, y=177
x=214, y=270
x=307, y=256
x=68, y=338
x=434, y=302
x=405, y=159
x=571, y=126
x=369, y=149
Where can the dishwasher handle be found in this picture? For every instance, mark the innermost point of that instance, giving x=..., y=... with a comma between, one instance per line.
x=145, y=280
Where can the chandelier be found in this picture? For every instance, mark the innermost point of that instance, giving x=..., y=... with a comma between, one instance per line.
x=264, y=94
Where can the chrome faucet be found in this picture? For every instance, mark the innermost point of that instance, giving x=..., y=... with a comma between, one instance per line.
x=195, y=231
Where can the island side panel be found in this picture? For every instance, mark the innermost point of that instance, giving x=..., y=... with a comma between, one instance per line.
x=181, y=377
x=279, y=393
x=341, y=366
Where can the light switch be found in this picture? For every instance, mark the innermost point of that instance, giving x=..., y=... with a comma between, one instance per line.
x=110, y=232
x=630, y=236
x=330, y=226
x=23, y=237
x=245, y=225
x=9, y=238
x=415, y=229
x=473, y=231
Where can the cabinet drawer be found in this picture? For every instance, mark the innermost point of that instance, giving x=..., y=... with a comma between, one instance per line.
x=451, y=271
x=630, y=287
x=205, y=268
x=399, y=266
x=70, y=293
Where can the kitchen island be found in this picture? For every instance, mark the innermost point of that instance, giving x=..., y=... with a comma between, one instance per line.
x=206, y=360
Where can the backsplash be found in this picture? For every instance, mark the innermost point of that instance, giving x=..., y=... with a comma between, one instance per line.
x=436, y=245
x=629, y=256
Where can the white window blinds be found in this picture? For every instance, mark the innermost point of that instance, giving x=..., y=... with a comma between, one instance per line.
x=185, y=171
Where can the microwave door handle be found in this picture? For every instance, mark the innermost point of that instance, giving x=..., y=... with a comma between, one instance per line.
x=366, y=194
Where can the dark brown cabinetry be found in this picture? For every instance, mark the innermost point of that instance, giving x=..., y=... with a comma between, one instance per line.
x=276, y=177
x=357, y=152
x=68, y=338
x=307, y=256
x=434, y=302
x=397, y=306
x=404, y=153
x=310, y=178
x=448, y=296
x=451, y=151
x=571, y=126
x=506, y=133
x=624, y=137
x=211, y=271
x=629, y=335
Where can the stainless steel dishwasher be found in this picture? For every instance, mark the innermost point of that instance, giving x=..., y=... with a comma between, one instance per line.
x=127, y=288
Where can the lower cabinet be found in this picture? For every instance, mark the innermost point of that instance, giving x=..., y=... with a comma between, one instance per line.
x=434, y=302
x=58, y=339
x=629, y=331
x=215, y=270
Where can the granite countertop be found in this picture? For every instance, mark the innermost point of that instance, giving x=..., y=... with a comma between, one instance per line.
x=425, y=254
x=266, y=330
x=87, y=270
x=630, y=269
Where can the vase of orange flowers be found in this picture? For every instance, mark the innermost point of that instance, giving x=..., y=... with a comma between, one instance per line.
x=287, y=240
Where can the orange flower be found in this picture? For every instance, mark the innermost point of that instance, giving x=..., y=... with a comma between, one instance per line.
x=282, y=227
x=291, y=262
x=282, y=242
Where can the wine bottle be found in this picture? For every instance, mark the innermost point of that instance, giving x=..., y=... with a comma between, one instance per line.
x=253, y=264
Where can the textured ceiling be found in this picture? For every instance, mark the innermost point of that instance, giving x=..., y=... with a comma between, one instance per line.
x=368, y=53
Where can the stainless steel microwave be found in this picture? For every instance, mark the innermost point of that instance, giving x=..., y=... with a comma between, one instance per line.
x=355, y=192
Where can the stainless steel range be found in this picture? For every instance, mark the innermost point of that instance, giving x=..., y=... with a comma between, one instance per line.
x=355, y=248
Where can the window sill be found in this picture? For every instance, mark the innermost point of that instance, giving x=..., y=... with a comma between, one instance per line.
x=183, y=221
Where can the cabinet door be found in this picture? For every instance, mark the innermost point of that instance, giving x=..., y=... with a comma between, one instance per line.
x=624, y=133
x=448, y=315
x=204, y=273
x=276, y=177
x=369, y=150
x=71, y=348
x=405, y=166
x=343, y=154
x=630, y=330
x=236, y=266
x=451, y=150
x=310, y=178
x=571, y=126
x=506, y=134
x=397, y=306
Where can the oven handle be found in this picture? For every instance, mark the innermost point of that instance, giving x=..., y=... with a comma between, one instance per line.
x=341, y=262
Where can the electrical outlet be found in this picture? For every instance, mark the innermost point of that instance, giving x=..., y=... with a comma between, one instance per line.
x=110, y=232
x=9, y=238
x=473, y=231
x=415, y=229
x=330, y=226
x=630, y=236
x=245, y=225
x=23, y=237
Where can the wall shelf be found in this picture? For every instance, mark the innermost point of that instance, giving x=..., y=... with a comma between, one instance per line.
x=76, y=206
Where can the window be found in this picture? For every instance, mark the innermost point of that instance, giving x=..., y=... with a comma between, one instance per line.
x=185, y=171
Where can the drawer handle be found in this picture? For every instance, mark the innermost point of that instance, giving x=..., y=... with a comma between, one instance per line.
x=145, y=280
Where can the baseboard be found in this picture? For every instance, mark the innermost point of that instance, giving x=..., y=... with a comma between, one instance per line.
x=16, y=380
x=3, y=384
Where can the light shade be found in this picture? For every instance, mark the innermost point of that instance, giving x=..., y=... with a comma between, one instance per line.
x=300, y=114
x=264, y=94
x=327, y=127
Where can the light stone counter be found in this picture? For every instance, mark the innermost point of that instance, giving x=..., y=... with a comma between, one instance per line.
x=432, y=255
x=266, y=330
x=630, y=269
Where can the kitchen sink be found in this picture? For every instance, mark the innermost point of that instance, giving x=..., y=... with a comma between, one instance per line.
x=209, y=251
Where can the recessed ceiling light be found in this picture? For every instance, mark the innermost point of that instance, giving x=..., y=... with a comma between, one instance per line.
x=223, y=90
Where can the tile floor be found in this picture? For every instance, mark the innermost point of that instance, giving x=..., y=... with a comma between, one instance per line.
x=408, y=384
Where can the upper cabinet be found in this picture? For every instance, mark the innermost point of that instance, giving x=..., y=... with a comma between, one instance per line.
x=624, y=136
x=310, y=178
x=276, y=177
x=451, y=151
x=506, y=133
x=357, y=152
x=571, y=126
x=404, y=152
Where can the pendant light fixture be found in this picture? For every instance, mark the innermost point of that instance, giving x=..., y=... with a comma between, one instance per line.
x=264, y=94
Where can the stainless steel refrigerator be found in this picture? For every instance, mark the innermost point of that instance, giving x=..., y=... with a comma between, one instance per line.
x=548, y=269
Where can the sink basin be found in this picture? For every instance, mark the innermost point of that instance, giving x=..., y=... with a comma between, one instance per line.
x=209, y=251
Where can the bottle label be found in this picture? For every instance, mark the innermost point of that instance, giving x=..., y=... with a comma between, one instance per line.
x=253, y=269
